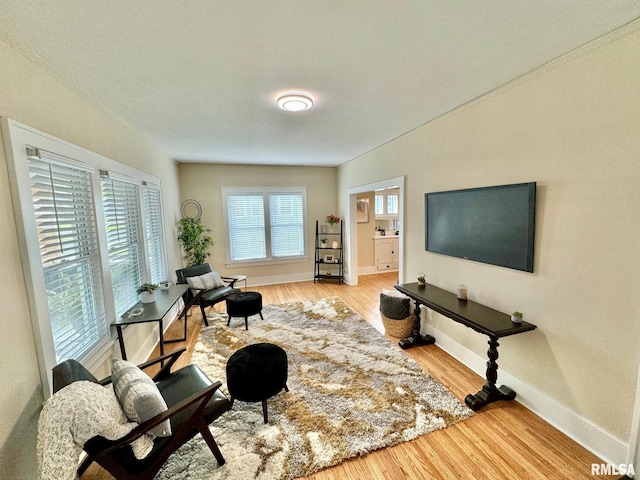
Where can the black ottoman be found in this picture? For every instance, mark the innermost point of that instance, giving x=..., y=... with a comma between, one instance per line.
x=257, y=372
x=244, y=304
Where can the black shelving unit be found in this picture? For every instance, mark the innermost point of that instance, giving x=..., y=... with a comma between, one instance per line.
x=325, y=270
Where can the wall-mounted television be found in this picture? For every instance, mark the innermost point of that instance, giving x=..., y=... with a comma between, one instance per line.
x=494, y=225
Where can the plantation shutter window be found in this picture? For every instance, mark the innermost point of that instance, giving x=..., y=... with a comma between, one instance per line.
x=392, y=204
x=265, y=224
x=246, y=227
x=90, y=233
x=155, y=236
x=121, y=205
x=378, y=208
x=287, y=225
x=63, y=206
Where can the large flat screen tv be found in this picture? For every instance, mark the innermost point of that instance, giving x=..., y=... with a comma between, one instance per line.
x=494, y=225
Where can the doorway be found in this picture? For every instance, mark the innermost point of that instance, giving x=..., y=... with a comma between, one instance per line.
x=353, y=268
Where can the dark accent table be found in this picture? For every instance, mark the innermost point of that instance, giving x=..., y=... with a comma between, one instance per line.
x=478, y=317
x=154, y=312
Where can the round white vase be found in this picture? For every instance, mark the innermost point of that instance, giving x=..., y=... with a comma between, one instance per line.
x=147, y=297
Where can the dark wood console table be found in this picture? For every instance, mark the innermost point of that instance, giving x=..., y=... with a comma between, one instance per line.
x=478, y=317
x=154, y=312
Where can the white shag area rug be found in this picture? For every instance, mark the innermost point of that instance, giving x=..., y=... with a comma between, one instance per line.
x=351, y=391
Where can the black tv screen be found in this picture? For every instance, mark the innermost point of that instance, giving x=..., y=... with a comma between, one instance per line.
x=494, y=225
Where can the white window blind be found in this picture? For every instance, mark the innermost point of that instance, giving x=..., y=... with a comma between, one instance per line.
x=392, y=204
x=379, y=205
x=68, y=239
x=246, y=227
x=287, y=224
x=120, y=202
x=265, y=224
x=155, y=236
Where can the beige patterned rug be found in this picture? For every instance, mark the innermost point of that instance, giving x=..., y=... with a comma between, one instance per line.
x=351, y=391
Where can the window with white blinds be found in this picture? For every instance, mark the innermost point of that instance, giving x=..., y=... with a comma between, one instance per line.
x=247, y=238
x=392, y=204
x=90, y=235
x=152, y=202
x=265, y=224
x=121, y=206
x=378, y=207
x=63, y=203
x=287, y=225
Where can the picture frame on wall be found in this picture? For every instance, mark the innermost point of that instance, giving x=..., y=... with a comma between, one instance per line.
x=362, y=210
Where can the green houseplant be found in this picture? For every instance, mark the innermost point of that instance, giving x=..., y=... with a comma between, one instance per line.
x=516, y=317
x=194, y=239
x=147, y=292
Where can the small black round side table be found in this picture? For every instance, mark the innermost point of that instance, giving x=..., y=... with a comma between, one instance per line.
x=244, y=304
x=257, y=372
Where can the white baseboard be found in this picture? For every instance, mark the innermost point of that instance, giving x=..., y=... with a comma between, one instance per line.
x=367, y=270
x=586, y=433
x=274, y=279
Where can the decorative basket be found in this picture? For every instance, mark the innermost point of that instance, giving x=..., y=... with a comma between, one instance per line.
x=397, y=328
x=395, y=311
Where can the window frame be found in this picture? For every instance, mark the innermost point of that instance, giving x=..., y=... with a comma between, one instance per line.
x=265, y=193
x=17, y=138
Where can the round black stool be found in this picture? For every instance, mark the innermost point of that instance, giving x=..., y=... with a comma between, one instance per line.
x=244, y=304
x=257, y=372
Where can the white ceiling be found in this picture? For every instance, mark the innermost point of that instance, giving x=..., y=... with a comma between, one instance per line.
x=199, y=77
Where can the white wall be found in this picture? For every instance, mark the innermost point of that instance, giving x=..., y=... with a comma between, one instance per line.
x=30, y=95
x=573, y=128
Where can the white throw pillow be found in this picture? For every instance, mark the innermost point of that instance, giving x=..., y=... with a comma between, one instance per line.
x=205, y=282
x=138, y=395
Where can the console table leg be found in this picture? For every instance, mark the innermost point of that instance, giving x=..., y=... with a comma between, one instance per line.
x=490, y=393
x=123, y=352
x=416, y=340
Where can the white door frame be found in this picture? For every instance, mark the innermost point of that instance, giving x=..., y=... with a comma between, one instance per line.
x=351, y=275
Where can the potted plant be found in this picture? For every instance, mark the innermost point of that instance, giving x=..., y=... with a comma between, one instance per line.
x=147, y=292
x=323, y=243
x=332, y=220
x=193, y=238
x=421, y=279
x=516, y=317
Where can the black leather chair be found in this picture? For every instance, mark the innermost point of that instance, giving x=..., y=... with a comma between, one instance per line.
x=193, y=402
x=205, y=298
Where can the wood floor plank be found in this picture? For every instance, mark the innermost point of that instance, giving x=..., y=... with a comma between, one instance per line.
x=502, y=441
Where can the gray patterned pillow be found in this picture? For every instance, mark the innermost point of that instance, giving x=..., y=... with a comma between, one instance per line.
x=205, y=282
x=138, y=395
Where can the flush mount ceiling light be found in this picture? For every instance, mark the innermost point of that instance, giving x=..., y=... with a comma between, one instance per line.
x=294, y=101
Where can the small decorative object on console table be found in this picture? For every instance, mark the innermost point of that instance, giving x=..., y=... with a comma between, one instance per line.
x=421, y=279
x=516, y=317
x=478, y=317
x=462, y=292
x=146, y=292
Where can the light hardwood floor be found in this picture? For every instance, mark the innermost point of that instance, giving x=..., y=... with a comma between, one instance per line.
x=502, y=441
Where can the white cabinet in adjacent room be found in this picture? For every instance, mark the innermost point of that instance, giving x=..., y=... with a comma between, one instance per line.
x=386, y=252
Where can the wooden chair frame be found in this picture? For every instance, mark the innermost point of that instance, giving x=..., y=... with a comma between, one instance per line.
x=186, y=430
